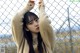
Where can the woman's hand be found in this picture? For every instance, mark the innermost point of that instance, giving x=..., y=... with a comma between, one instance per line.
x=30, y=5
x=40, y=1
x=41, y=4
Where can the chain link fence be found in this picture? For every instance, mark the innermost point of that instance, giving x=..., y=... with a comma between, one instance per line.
x=65, y=20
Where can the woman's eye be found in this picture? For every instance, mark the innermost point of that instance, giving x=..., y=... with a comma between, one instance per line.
x=36, y=20
x=31, y=22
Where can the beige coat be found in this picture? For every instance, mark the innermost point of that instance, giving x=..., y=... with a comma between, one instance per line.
x=45, y=30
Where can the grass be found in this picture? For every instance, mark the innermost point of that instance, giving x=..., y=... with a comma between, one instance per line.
x=62, y=45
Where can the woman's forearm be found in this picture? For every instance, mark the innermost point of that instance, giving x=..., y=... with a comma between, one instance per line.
x=17, y=25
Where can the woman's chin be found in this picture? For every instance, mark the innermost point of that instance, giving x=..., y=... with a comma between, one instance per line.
x=37, y=31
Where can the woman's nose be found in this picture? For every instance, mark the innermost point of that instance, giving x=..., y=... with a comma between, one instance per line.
x=35, y=23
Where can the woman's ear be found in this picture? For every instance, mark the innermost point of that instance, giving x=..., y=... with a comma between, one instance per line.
x=27, y=29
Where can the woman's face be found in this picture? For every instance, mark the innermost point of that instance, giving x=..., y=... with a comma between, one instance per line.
x=33, y=25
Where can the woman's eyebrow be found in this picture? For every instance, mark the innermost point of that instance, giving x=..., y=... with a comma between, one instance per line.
x=30, y=21
x=33, y=19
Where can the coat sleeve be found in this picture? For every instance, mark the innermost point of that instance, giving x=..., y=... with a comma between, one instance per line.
x=46, y=30
x=17, y=25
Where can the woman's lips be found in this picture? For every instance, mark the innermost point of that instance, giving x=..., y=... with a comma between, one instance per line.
x=37, y=28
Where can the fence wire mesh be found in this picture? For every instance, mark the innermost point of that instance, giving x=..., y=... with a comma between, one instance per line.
x=65, y=20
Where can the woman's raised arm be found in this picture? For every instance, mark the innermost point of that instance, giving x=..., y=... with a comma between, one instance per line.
x=45, y=28
x=17, y=25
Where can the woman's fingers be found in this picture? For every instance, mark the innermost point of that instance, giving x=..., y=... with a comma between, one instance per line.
x=40, y=0
x=41, y=3
x=30, y=5
x=31, y=0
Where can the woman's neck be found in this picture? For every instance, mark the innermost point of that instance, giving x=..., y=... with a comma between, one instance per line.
x=35, y=35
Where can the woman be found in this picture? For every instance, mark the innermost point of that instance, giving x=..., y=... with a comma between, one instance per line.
x=32, y=34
